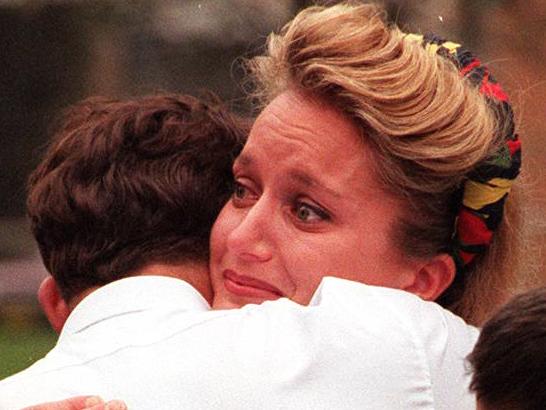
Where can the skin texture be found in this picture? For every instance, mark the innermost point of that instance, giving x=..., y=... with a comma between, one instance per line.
x=306, y=205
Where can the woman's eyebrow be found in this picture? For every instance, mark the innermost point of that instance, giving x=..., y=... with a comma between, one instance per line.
x=309, y=180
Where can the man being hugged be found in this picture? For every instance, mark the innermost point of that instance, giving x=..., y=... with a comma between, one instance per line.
x=125, y=189
x=122, y=206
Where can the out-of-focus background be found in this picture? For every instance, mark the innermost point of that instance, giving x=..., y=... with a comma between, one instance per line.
x=56, y=52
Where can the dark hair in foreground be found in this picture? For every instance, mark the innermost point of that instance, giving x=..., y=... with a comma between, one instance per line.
x=509, y=360
x=125, y=184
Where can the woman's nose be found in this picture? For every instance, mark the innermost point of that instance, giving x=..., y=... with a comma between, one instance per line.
x=249, y=240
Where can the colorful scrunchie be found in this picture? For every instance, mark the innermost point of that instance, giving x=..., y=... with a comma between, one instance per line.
x=487, y=186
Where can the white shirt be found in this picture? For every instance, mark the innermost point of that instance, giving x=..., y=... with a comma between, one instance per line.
x=152, y=342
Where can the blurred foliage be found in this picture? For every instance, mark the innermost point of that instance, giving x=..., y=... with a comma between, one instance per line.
x=25, y=336
x=21, y=347
x=16, y=240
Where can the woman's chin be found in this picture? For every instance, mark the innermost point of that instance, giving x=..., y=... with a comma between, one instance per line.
x=222, y=302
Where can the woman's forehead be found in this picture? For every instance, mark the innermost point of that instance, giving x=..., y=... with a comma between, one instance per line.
x=307, y=122
x=308, y=144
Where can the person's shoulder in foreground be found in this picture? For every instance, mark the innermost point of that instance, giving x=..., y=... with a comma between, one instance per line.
x=509, y=360
x=129, y=313
x=435, y=336
x=355, y=346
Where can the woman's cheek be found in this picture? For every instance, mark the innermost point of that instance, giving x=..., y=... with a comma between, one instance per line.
x=307, y=261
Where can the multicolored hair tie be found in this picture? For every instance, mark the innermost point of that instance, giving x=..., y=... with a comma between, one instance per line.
x=487, y=186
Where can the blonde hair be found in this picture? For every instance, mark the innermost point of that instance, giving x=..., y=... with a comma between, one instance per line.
x=428, y=126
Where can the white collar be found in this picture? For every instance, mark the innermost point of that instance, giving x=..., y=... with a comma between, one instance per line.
x=132, y=294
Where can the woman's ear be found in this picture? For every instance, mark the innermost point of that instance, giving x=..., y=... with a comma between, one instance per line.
x=54, y=306
x=433, y=277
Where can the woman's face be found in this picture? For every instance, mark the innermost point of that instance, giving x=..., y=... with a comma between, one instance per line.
x=306, y=205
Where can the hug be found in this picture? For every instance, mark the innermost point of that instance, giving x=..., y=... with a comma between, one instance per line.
x=336, y=252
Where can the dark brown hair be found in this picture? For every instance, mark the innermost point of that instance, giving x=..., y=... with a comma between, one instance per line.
x=128, y=183
x=509, y=360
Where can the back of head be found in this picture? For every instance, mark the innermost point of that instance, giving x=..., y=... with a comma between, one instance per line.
x=428, y=126
x=509, y=359
x=124, y=184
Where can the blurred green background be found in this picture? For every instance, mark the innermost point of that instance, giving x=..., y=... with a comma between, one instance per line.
x=56, y=52
x=25, y=337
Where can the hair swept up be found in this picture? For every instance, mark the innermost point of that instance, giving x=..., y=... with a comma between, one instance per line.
x=427, y=125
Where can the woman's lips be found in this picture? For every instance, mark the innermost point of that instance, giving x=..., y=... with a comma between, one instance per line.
x=246, y=286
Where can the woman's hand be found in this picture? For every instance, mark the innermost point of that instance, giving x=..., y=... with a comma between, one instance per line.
x=81, y=403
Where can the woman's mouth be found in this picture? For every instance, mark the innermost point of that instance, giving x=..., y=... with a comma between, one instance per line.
x=246, y=286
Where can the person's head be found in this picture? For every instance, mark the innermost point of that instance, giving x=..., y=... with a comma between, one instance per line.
x=509, y=359
x=355, y=167
x=128, y=184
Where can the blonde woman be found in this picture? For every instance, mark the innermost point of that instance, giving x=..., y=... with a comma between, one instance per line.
x=380, y=157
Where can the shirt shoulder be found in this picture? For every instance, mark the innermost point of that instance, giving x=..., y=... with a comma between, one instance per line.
x=45, y=381
x=441, y=339
x=360, y=303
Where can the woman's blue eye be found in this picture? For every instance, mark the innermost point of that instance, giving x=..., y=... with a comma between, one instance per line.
x=239, y=191
x=307, y=213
